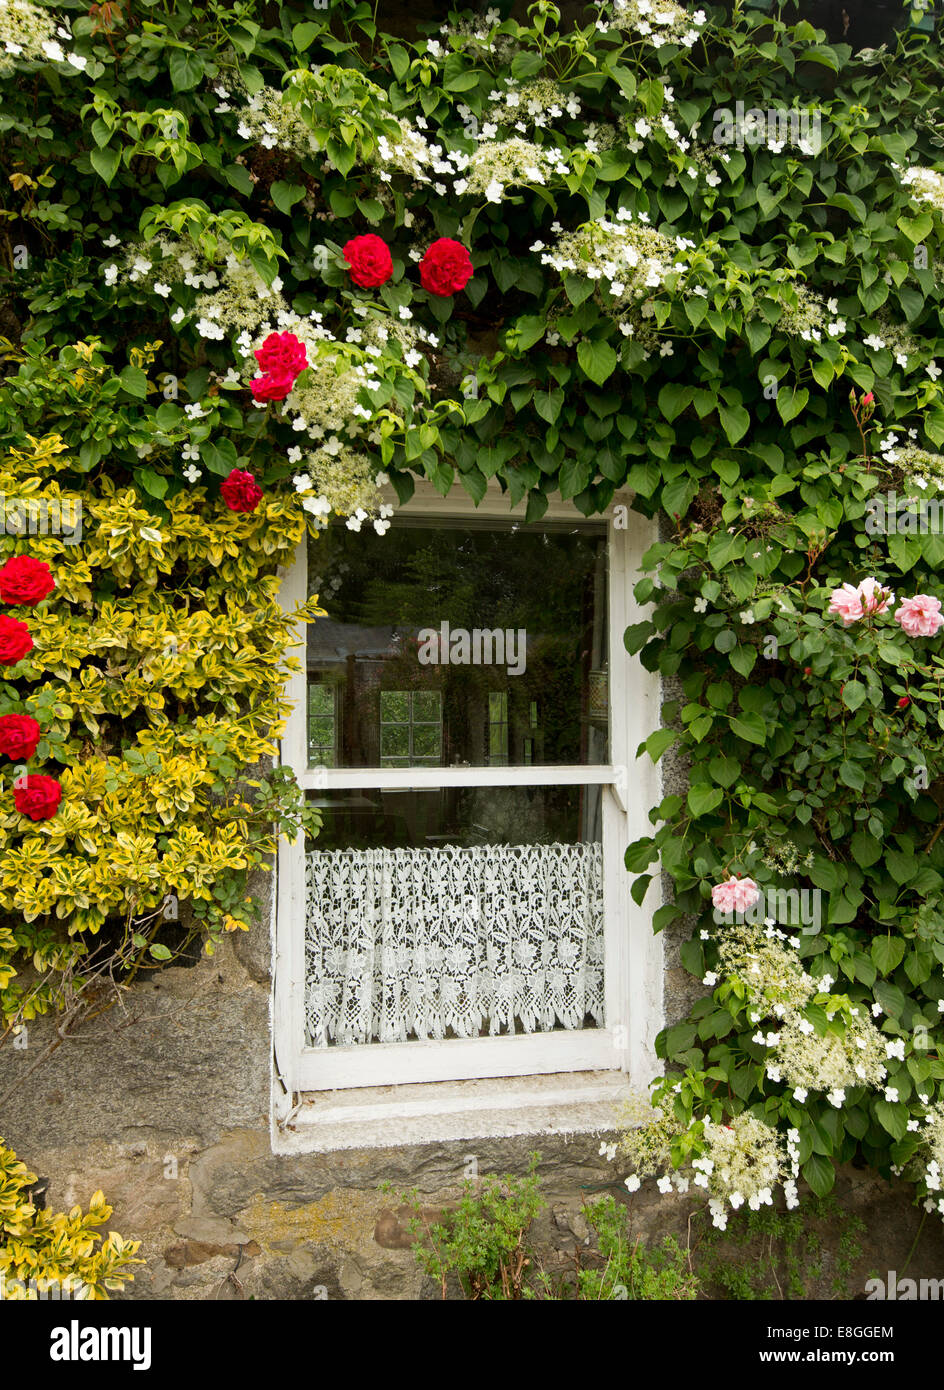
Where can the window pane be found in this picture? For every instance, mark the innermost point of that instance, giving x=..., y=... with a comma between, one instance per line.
x=394, y=706
x=459, y=912
x=497, y=634
x=427, y=740
x=395, y=741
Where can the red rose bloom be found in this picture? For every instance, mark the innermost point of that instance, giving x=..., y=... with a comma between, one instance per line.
x=282, y=355
x=370, y=260
x=241, y=492
x=37, y=796
x=446, y=268
x=15, y=640
x=271, y=386
x=904, y=702
x=24, y=580
x=19, y=736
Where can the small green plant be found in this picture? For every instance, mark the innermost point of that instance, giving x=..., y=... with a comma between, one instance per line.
x=788, y=1257
x=484, y=1244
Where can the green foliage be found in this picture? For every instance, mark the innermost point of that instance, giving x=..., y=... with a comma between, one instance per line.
x=804, y=1254
x=45, y=1254
x=721, y=381
x=484, y=1244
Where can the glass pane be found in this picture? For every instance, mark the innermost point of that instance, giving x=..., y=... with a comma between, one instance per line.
x=468, y=627
x=394, y=706
x=459, y=912
x=321, y=733
x=321, y=699
x=395, y=741
x=427, y=707
x=427, y=741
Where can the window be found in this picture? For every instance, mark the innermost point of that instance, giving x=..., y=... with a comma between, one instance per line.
x=464, y=913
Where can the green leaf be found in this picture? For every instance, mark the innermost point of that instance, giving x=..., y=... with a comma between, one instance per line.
x=304, y=35
x=854, y=693
x=186, y=69
x=134, y=381
x=105, y=162
x=286, y=195
x=656, y=744
x=820, y=1173
x=597, y=359
x=893, y=1117
x=703, y=799
x=153, y=483
x=887, y=953
x=735, y=420
x=159, y=951
x=790, y=402
x=750, y=726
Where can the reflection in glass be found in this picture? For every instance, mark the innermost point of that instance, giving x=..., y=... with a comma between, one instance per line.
x=458, y=645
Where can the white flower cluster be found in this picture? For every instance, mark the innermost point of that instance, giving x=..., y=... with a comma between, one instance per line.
x=478, y=38
x=779, y=987
x=737, y=1162
x=933, y=1143
x=31, y=34
x=808, y=320
x=495, y=165
x=628, y=253
x=925, y=184
x=411, y=153
x=657, y=21
x=266, y=118
x=743, y=1162
x=338, y=479
x=529, y=105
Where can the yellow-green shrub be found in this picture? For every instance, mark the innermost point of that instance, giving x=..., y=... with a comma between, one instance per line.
x=44, y=1252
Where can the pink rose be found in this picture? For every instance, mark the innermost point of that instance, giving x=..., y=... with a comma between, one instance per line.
x=846, y=603
x=851, y=604
x=920, y=616
x=735, y=894
x=875, y=598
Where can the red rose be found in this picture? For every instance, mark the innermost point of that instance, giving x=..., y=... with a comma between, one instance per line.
x=271, y=386
x=37, y=796
x=370, y=260
x=15, y=640
x=282, y=355
x=24, y=580
x=19, y=736
x=446, y=268
x=904, y=702
x=241, y=492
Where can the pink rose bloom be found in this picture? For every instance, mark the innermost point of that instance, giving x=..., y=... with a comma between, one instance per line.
x=875, y=598
x=735, y=894
x=854, y=603
x=920, y=616
x=846, y=603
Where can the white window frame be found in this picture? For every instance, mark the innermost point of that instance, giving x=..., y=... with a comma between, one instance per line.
x=633, y=955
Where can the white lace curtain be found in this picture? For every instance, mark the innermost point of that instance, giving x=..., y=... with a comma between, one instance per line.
x=430, y=943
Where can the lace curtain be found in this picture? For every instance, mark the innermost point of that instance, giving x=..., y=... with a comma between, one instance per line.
x=430, y=943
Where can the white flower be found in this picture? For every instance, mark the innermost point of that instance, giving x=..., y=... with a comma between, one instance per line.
x=895, y=1048
x=664, y=1184
x=800, y=1094
x=874, y=341
x=710, y=978
x=891, y=1093
x=111, y=274
x=76, y=60
x=632, y=1183
x=191, y=451
x=836, y=1097
x=494, y=192
x=53, y=50
x=933, y=370
x=192, y=473
x=301, y=482
x=701, y=604
x=161, y=289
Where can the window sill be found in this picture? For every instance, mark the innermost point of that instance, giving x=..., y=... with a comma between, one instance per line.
x=437, y=1112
